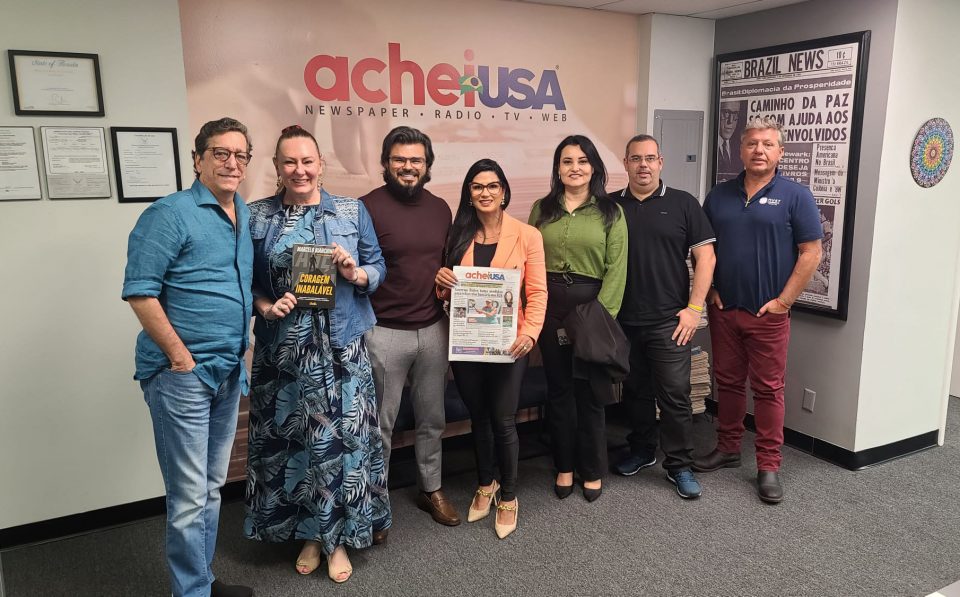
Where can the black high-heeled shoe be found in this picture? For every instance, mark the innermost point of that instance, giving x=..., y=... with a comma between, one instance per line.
x=562, y=491
x=591, y=495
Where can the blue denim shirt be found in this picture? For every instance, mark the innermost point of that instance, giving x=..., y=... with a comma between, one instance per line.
x=185, y=252
x=346, y=223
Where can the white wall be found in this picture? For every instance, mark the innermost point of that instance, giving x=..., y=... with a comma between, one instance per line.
x=644, y=112
x=825, y=355
x=74, y=431
x=955, y=383
x=681, y=74
x=915, y=272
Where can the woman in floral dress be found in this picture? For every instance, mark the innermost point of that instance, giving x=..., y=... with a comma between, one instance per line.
x=315, y=469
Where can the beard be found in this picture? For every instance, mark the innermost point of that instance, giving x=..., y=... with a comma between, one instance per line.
x=402, y=192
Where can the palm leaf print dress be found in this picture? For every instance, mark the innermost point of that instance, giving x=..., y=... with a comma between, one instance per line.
x=315, y=464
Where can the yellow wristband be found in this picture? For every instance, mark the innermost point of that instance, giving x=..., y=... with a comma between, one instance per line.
x=783, y=303
x=693, y=307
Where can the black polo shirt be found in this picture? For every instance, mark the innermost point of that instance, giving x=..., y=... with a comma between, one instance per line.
x=662, y=229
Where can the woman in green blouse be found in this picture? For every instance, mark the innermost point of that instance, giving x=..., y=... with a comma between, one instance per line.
x=585, y=241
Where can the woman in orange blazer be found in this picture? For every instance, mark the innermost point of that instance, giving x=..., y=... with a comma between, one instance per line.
x=484, y=235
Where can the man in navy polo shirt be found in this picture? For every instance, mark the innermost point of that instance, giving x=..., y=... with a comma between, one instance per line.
x=768, y=247
x=660, y=312
x=188, y=277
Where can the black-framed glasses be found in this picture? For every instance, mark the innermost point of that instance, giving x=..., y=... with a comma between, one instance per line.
x=400, y=161
x=222, y=154
x=493, y=188
x=649, y=159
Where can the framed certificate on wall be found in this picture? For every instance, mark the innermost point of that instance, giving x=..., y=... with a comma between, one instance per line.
x=147, y=163
x=55, y=83
x=19, y=171
x=75, y=162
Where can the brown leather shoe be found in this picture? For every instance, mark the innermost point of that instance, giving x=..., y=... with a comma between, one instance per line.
x=380, y=537
x=439, y=507
x=716, y=460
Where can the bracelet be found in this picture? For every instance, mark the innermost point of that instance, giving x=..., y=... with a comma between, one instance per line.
x=356, y=277
x=693, y=307
x=783, y=303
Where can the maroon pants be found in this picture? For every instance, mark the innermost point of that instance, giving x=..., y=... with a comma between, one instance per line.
x=746, y=346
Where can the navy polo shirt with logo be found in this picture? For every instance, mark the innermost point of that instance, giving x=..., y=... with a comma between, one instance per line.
x=757, y=238
x=662, y=229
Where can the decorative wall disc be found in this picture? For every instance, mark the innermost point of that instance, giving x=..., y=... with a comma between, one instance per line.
x=932, y=152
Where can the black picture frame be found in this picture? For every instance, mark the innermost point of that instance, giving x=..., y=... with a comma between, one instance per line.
x=20, y=86
x=813, y=68
x=143, y=197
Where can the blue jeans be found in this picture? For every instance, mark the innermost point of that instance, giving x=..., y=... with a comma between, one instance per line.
x=193, y=427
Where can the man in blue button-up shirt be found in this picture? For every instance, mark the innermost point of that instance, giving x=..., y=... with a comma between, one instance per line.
x=188, y=279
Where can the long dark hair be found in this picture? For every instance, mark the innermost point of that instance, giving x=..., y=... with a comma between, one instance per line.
x=466, y=224
x=551, y=207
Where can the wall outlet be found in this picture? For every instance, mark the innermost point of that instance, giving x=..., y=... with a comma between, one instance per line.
x=809, y=397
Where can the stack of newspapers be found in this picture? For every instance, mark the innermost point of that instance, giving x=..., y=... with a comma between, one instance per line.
x=699, y=379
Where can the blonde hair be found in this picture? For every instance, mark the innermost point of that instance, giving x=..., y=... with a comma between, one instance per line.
x=763, y=123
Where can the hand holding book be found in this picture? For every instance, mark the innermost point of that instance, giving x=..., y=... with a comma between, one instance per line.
x=348, y=267
x=280, y=309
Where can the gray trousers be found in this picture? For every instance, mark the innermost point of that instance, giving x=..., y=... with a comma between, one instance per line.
x=420, y=355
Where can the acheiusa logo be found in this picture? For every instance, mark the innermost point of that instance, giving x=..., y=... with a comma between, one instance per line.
x=374, y=81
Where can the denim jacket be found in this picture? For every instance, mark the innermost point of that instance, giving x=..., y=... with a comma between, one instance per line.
x=348, y=224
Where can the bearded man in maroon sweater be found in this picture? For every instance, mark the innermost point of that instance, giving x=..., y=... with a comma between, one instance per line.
x=410, y=338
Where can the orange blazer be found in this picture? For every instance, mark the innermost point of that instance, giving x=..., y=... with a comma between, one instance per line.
x=521, y=247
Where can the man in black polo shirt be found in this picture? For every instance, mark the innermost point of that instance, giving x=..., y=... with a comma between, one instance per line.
x=660, y=312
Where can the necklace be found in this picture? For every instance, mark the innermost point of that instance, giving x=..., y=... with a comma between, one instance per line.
x=567, y=203
x=482, y=237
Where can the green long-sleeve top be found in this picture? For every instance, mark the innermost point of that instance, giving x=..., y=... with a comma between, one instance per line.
x=579, y=243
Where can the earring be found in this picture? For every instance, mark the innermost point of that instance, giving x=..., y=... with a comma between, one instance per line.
x=503, y=203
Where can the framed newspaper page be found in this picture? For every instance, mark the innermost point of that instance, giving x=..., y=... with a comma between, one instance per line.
x=816, y=90
x=483, y=314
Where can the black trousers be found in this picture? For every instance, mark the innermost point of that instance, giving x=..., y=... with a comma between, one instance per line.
x=491, y=392
x=575, y=417
x=659, y=376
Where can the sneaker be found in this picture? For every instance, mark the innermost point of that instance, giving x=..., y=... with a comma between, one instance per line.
x=634, y=463
x=687, y=485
